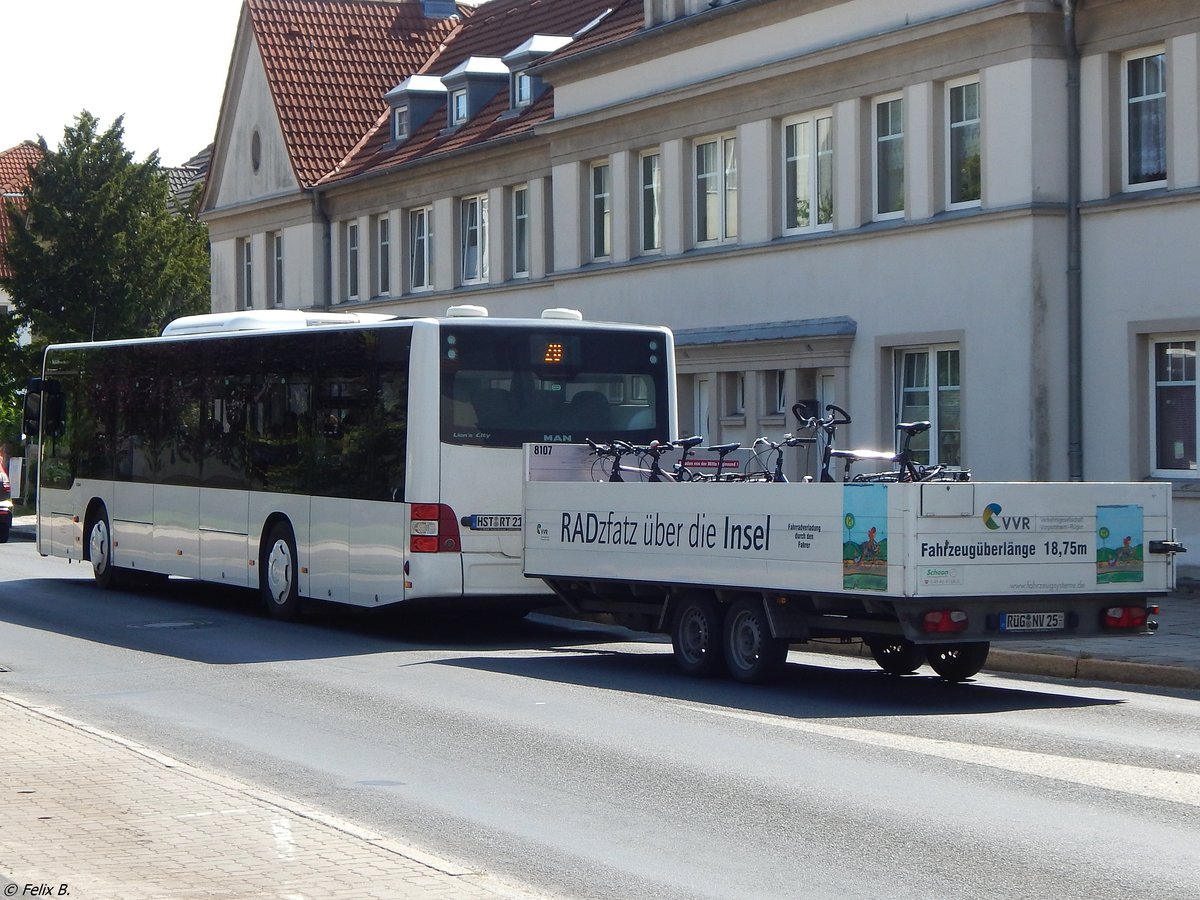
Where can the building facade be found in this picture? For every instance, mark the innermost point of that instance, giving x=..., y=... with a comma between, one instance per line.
x=979, y=212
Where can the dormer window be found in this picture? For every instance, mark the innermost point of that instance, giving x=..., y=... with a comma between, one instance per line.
x=524, y=88
x=413, y=102
x=472, y=85
x=458, y=107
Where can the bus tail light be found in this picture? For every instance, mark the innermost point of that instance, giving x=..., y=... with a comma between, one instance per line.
x=1124, y=618
x=434, y=529
x=944, y=621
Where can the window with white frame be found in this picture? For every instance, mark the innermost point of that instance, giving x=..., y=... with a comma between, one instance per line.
x=473, y=245
x=419, y=277
x=964, y=169
x=1174, y=374
x=808, y=172
x=246, y=292
x=889, y=158
x=601, y=220
x=928, y=387
x=1145, y=114
x=650, y=167
x=400, y=123
x=350, y=260
x=522, y=89
x=520, y=231
x=716, y=190
x=383, y=255
x=277, y=268
x=458, y=107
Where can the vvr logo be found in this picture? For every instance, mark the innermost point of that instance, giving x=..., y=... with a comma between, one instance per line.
x=993, y=520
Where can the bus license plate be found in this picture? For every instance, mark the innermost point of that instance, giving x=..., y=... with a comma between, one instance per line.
x=495, y=523
x=1031, y=621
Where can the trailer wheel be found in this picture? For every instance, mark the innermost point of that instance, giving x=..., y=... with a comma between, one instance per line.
x=752, y=653
x=958, y=662
x=696, y=635
x=897, y=656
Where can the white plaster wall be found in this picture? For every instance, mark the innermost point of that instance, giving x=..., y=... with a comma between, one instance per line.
x=838, y=24
x=253, y=110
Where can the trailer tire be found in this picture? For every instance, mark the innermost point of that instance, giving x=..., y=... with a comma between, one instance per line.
x=696, y=635
x=896, y=656
x=958, y=662
x=752, y=653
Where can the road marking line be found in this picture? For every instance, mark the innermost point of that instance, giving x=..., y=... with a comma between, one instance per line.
x=1157, y=784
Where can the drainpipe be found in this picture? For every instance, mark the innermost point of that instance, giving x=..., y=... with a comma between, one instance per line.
x=322, y=216
x=1074, y=252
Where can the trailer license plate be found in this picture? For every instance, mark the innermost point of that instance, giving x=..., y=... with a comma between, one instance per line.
x=495, y=523
x=1029, y=621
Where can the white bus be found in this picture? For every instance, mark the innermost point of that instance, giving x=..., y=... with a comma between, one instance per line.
x=366, y=460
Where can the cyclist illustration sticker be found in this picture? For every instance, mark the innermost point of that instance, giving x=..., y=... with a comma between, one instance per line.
x=1119, y=541
x=864, y=537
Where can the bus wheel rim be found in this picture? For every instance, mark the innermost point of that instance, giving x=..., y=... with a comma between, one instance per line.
x=98, y=546
x=279, y=572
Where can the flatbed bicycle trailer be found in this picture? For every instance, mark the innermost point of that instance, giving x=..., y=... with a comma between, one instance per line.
x=922, y=572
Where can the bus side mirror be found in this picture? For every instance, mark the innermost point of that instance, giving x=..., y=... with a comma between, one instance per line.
x=44, y=404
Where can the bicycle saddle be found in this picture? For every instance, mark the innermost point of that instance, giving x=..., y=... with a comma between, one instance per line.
x=911, y=428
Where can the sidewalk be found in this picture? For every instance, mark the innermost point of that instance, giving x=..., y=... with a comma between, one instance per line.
x=92, y=816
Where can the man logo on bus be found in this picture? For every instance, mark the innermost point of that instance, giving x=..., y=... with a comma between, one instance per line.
x=989, y=513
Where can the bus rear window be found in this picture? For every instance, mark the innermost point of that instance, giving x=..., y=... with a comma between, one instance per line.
x=502, y=387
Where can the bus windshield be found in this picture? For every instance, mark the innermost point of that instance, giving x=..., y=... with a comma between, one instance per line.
x=502, y=387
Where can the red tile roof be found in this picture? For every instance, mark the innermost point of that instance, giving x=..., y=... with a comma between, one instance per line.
x=15, y=164
x=329, y=63
x=496, y=29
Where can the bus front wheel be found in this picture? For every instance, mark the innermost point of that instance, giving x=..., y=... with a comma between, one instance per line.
x=277, y=573
x=99, y=544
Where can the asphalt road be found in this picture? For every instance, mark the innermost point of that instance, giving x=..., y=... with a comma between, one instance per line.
x=574, y=759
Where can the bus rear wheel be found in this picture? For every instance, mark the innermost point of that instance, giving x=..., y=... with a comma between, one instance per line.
x=277, y=580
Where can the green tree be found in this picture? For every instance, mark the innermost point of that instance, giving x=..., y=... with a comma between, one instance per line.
x=95, y=252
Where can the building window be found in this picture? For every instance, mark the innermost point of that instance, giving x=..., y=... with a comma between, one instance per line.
x=522, y=89
x=601, y=211
x=889, y=158
x=383, y=255
x=400, y=123
x=716, y=190
x=1175, y=406
x=474, y=239
x=247, y=270
x=651, y=211
x=418, y=249
x=776, y=393
x=808, y=172
x=351, y=260
x=458, y=107
x=737, y=393
x=964, y=171
x=1146, y=120
x=520, y=208
x=929, y=388
x=277, y=270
